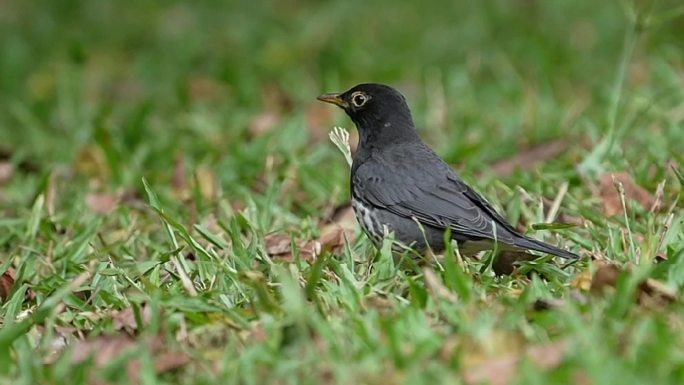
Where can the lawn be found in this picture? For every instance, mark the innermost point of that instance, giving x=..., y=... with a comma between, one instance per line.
x=172, y=209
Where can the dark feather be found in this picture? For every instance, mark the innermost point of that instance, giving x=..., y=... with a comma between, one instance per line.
x=395, y=172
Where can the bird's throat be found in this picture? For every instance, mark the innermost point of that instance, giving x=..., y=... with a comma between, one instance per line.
x=378, y=133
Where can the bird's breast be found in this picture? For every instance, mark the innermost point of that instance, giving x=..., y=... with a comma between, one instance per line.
x=368, y=220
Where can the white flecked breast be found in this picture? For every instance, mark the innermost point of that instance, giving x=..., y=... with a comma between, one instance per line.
x=368, y=221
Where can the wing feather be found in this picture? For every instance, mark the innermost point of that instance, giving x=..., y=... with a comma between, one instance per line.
x=439, y=199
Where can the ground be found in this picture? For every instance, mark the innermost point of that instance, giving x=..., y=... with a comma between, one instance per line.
x=172, y=209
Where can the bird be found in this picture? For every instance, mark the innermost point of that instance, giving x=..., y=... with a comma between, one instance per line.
x=400, y=185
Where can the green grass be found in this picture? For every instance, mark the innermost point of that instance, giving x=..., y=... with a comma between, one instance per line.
x=97, y=97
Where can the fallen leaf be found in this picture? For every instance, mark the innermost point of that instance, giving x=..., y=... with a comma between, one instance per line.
x=125, y=319
x=502, y=370
x=163, y=362
x=102, y=203
x=279, y=246
x=343, y=216
x=609, y=190
x=606, y=276
x=339, y=228
x=6, y=284
x=528, y=158
x=6, y=171
x=378, y=302
x=105, y=348
x=649, y=292
x=657, y=290
x=332, y=239
x=170, y=360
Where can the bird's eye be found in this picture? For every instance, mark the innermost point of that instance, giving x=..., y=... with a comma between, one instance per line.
x=359, y=99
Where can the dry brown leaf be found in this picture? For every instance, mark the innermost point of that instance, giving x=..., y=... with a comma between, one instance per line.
x=528, y=158
x=649, y=292
x=6, y=284
x=339, y=228
x=6, y=171
x=163, y=362
x=170, y=360
x=104, y=349
x=125, y=319
x=502, y=370
x=657, y=290
x=279, y=246
x=378, y=302
x=102, y=203
x=332, y=239
x=610, y=194
x=342, y=216
x=606, y=276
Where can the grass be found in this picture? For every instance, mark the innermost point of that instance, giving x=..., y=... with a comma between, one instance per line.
x=142, y=192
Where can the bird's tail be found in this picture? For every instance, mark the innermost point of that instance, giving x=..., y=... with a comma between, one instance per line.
x=533, y=244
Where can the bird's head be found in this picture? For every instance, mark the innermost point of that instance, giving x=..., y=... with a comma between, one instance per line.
x=379, y=111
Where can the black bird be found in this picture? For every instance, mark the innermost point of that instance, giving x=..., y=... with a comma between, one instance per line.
x=399, y=184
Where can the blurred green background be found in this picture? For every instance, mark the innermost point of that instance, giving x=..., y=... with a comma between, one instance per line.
x=147, y=80
x=213, y=102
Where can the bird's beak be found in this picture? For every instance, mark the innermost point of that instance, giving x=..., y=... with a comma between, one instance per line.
x=333, y=99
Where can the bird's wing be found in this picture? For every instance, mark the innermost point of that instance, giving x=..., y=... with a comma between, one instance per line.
x=436, y=197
